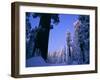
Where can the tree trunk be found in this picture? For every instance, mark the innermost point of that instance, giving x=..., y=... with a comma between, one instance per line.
x=44, y=24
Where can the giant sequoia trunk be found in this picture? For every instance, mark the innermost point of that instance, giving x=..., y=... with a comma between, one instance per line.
x=42, y=37
x=45, y=21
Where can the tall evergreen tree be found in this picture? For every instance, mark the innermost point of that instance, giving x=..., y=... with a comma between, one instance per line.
x=84, y=37
x=77, y=53
x=81, y=40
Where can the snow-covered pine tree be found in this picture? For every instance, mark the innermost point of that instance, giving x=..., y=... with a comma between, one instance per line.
x=77, y=54
x=81, y=40
x=84, y=37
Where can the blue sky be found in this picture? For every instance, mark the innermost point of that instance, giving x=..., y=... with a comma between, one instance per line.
x=57, y=37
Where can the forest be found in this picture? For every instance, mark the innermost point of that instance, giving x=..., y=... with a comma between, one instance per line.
x=75, y=51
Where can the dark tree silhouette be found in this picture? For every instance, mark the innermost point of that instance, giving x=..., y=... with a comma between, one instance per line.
x=28, y=25
x=41, y=41
x=28, y=31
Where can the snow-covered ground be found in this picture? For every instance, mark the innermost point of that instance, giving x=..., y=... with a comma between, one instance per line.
x=35, y=61
x=39, y=61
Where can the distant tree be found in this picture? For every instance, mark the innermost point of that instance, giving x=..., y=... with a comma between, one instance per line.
x=62, y=55
x=49, y=58
x=69, y=54
x=65, y=55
